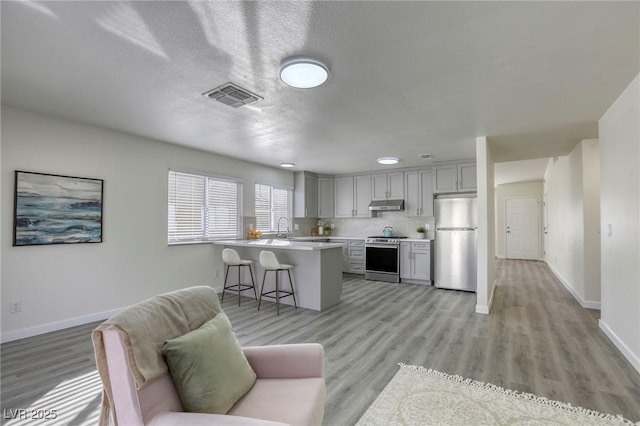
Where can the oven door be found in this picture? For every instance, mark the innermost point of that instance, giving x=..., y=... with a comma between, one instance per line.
x=382, y=258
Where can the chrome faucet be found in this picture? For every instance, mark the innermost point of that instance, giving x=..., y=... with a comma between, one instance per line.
x=279, y=235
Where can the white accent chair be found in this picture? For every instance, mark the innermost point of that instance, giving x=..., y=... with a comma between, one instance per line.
x=289, y=390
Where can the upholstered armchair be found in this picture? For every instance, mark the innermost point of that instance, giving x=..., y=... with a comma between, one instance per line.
x=139, y=390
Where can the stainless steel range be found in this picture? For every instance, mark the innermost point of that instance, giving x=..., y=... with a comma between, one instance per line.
x=382, y=259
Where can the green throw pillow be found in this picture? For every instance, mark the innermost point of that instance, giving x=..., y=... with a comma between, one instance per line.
x=208, y=367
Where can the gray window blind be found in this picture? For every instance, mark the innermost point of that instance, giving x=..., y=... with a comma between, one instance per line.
x=271, y=204
x=202, y=208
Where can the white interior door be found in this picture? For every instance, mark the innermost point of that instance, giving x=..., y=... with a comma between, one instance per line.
x=522, y=223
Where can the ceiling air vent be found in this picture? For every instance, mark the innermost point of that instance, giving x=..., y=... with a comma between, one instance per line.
x=232, y=95
x=426, y=156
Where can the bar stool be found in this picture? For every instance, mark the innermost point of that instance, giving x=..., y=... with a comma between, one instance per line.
x=269, y=262
x=231, y=258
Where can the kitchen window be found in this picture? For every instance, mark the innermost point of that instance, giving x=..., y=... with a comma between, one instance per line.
x=272, y=203
x=203, y=208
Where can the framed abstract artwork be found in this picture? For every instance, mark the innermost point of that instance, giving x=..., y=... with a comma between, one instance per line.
x=53, y=209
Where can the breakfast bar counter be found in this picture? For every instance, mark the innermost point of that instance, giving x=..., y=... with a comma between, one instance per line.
x=316, y=273
x=270, y=244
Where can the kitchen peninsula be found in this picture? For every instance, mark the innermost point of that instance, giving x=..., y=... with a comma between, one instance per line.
x=316, y=273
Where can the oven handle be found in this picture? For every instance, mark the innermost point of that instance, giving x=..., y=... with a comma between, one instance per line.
x=381, y=246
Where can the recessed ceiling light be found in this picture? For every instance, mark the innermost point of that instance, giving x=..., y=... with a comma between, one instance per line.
x=388, y=160
x=287, y=165
x=303, y=73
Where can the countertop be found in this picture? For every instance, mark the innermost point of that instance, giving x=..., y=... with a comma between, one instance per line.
x=339, y=237
x=289, y=244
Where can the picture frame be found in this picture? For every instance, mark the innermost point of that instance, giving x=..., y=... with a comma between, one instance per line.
x=56, y=209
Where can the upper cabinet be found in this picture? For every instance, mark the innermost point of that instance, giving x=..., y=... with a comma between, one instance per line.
x=387, y=186
x=418, y=200
x=455, y=178
x=326, y=201
x=305, y=196
x=467, y=177
x=352, y=196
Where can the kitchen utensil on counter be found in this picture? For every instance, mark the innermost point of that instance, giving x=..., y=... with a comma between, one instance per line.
x=387, y=231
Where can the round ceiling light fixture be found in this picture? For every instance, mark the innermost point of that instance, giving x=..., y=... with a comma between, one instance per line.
x=302, y=72
x=287, y=165
x=388, y=160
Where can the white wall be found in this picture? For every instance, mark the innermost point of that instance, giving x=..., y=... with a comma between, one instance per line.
x=520, y=189
x=64, y=285
x=619, y=130
x=572, y=188
x=486, y=226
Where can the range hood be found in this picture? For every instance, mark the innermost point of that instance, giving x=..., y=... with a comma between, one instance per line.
x=386, y=205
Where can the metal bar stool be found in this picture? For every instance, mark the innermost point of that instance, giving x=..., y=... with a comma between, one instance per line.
x=231, y=258
x=269, y=262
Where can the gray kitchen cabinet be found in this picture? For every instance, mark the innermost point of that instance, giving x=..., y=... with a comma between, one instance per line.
x=345, y=253
x=455, y=178
x=405, y=260
x=352, y=196
x=343, y=196
x=326, y=197
x=418, y=199
x=387, y=186
x=362, y=195
x=445, y=178
x=467, y=177
x=415, y=262
x=305, y=195
x=355, y=257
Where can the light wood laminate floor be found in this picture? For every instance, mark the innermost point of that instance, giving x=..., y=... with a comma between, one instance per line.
x=537, y=339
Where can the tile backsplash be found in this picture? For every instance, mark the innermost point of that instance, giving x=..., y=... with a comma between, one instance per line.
x=362, y=227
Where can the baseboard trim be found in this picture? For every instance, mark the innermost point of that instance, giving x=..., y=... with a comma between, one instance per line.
x=61, y=325
x=587, y=304
x=482, y=309
x=493, y=291
x=633, y=359
x=55, y=326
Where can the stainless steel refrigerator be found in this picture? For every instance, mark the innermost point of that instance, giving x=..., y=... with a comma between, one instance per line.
x=456, y=241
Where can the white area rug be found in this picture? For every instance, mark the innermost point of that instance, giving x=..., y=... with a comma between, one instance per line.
x=417, y=396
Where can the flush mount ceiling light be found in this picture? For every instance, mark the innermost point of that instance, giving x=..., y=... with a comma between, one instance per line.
x=287, y=165
x=388, y=160
x=303, y=73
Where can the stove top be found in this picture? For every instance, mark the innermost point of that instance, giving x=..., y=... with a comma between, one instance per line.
x=379, y=240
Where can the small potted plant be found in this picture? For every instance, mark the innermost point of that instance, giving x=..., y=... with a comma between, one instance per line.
x=422, y=231
x=321, y=226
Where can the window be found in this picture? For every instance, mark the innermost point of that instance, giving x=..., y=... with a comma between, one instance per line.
x=203, y=208
x=271, y=204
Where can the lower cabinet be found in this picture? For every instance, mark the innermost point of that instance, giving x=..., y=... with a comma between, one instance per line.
x=352, y=255
x=345, y=253
x=355, y=257
x=415, y=262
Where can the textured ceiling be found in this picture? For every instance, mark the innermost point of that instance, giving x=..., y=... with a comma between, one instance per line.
x=406, y=77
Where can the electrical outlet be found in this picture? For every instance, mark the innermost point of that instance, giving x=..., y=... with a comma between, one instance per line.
x=296, y=227
x=16, y=306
